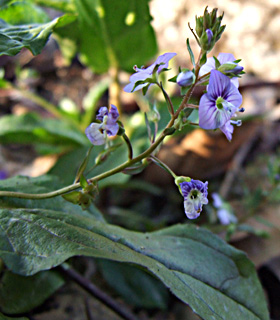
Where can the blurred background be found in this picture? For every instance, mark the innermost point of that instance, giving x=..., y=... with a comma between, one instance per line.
x=245, y=173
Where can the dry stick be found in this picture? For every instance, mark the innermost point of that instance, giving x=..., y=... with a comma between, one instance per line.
x=237, y=162
x=88, y=311
x=97, y=293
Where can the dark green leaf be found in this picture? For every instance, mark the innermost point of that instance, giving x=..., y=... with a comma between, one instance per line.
x=73, y=197
x=30, y=128
x=125, y=279
x=67, y=173
x=217, y=62
x=83, y=166
x=42, y=184
x=190, y=52
x=115, y=33
x=203, y=59
x=215, y=279
x=31, y=36
x=19, y=294
x=23, y=13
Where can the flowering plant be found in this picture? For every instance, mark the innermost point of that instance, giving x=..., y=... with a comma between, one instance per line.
x=42, y=228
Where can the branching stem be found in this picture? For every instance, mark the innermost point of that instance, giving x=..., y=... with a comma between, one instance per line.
x=121, y=167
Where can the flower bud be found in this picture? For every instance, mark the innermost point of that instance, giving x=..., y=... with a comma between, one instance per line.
x=206, y=40
x=208, y=29
x=199, y=26
x=230, y=67
x=185, y=78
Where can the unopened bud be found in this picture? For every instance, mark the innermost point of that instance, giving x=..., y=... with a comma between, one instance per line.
x=199, y=26
x=185, y=78
x=230, y=67
x=209, y=35
x=206, y=40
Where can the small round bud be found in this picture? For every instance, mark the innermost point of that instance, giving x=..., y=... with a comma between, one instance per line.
x=185, y=78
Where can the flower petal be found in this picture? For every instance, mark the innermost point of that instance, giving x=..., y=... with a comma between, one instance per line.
x=103, y=111
x=234, y=97
x=207, y=67
x=195, y=195
x=143, y=74
x=163, y=60
x=225, y=57
x=94, y=135
x=218, y=84
x=210, y=117
x=227, y=129
x=190, y=211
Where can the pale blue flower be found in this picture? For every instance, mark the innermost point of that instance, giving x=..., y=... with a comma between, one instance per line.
x=97, y=132
x=224, y=210
x=145, y=77
x=219, y=104
x=195, y=196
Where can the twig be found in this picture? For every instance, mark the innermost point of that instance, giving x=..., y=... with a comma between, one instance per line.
x=88, y=311
x=97, y=293
x=237, y=162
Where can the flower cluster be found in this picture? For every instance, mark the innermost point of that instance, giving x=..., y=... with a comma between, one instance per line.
x=208, y=29
x=97, y=132
x=216, y=108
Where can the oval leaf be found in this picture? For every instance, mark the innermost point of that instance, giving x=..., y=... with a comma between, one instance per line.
x=215, y=279
x=30, y=36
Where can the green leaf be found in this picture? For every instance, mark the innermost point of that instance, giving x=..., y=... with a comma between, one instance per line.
x=19, y=294
x=203, y=59
x=113, y=159
x=30, y=128
x=31, y=36
x=115, y=33
x=42, y=184
x=125, y=280
x=83, y=166
x=22, y=13
x=215, y=279
x=2, y=317
x=190, y=52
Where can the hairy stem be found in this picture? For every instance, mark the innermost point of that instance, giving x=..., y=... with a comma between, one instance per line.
x=121, y=167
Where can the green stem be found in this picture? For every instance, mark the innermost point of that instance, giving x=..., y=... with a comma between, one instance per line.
x=129, y=146
x=161, y=164
x=121, y=167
